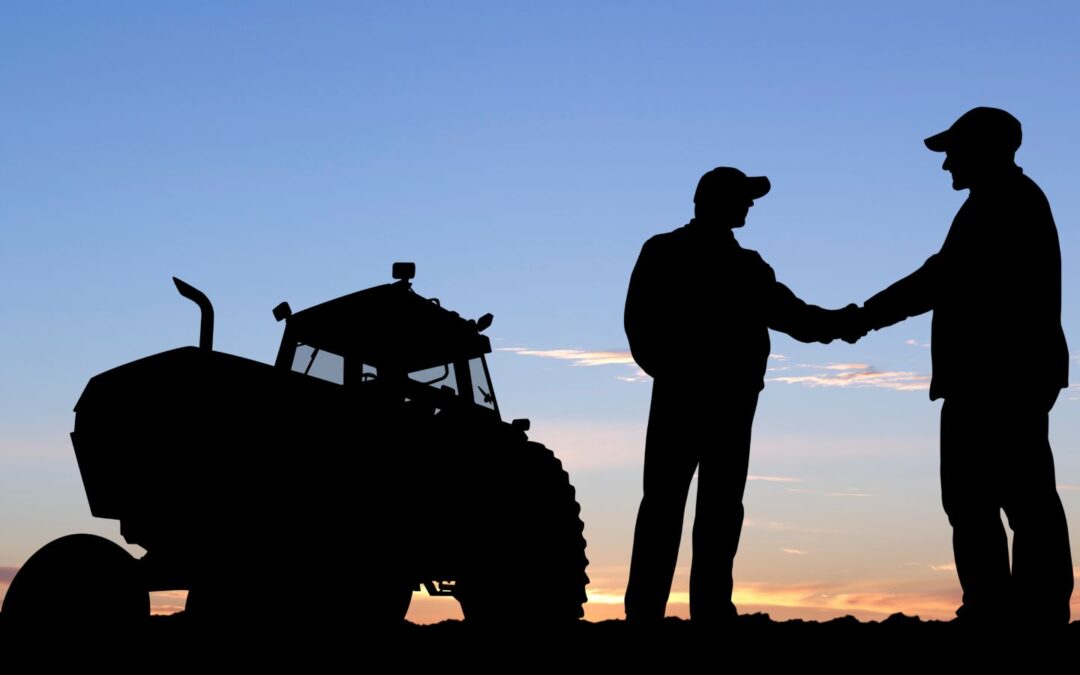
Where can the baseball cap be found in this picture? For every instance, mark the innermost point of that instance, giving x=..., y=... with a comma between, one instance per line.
x=726, y=182
x=985, y=128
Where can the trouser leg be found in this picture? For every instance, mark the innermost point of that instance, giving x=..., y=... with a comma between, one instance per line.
x=1042, y=572
x=968, y=493
x=669, y=467
x=719, y=513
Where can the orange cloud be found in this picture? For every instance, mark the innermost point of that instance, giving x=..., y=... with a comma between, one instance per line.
x=167, y=602
x=817, y=600
x=427, y=609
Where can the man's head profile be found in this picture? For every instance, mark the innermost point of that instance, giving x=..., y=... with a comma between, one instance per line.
x=982, y=142
x=725, y=195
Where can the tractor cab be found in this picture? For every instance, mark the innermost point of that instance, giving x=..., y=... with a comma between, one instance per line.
x=394, y=338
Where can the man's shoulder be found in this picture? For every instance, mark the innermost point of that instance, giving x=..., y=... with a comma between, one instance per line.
x=673, y=238
x=1033, y=191
x=673, y=244
x=1018, y=191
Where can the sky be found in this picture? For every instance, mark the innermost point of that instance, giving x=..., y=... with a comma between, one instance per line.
x=520, y=154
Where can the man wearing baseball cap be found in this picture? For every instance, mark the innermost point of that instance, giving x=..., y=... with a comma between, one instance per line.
x=999, y=362
x=698, y=313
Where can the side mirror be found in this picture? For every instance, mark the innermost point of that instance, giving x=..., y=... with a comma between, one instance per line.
x=282, y=311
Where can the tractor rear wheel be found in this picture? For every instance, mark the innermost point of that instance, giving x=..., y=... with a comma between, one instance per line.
x=81, y=582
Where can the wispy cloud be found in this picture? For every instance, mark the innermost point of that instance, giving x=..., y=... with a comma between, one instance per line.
x=916, y=343
x=855, y=375
x=614, y=357
x=577, y=357
x=775, y=479
x=849, y=492
x=793, y=551
x=843, y=366
x=811, y=375
x=781, y=526
x=946, y=567
x=584, y=357
x=1068, y=488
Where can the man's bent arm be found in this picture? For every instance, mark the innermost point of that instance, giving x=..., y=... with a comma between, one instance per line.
x=802, y=321
x=643, y=316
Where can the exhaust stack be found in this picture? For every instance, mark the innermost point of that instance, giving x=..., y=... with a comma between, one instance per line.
x=206, y=327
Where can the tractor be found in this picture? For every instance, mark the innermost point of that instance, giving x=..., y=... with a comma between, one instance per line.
x=368, y=462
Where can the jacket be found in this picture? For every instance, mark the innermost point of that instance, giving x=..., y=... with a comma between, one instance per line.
x=700, y=306
x=995, y=290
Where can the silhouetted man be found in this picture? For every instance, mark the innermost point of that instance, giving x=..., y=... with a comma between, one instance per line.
x=697, y=316
x=999, y=361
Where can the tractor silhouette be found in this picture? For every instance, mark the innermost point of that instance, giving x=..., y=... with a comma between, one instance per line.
x=368, y=461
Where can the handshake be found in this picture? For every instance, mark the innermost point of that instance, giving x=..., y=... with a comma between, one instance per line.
x=848, y=324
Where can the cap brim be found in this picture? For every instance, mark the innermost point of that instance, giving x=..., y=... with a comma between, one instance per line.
x=757, y=186
x=938, y=142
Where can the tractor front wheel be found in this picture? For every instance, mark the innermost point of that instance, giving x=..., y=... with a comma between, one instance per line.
x=532, y=565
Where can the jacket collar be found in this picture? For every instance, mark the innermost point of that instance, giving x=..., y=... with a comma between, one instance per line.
x=710, y=233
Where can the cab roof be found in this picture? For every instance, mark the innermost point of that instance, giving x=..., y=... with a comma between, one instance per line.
x=389, y=326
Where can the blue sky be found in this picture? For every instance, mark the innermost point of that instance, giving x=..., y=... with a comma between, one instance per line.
x=519, y=153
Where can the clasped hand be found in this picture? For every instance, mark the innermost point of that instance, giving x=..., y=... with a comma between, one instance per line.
x=848, y=324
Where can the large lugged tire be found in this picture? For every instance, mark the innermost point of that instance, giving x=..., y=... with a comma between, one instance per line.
x=530, y=566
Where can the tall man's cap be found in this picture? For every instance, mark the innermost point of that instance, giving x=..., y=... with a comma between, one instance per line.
x=724, y=182
x=983, y=128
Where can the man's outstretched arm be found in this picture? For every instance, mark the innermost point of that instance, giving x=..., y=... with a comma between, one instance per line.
x=789, y=314
x=913, y=295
